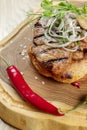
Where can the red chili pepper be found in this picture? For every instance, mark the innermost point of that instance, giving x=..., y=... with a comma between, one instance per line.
x=27, y=93
x=76, y=84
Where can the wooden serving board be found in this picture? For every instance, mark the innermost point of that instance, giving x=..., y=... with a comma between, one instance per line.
x=17, y=112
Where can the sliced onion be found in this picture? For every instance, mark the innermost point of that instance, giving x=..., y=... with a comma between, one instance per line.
x=72, y=49
x=49, y=37
x=55, y=34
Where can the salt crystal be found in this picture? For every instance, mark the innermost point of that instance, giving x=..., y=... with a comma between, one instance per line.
x=43, y=82
x=29, y=39
x=25, y=46
x=36, y=77
x=22, y=54
x=23, y=58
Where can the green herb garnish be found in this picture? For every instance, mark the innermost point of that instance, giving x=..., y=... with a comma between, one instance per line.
x=59, y=18
x=58, y=10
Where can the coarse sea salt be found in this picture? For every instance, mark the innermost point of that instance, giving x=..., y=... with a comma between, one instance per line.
x=29, y=39
x=25, y=46
x=43, y=82
x=23, y=58
x=36, y=77
x=22, y=54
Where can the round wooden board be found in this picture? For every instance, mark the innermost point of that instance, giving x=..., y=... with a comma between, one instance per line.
x=24, y=116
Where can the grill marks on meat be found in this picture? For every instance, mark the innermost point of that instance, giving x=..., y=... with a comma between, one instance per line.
x=45, y=53
x=50, y=63
x=55, y=60
x=39, y=40
x=48, y=57
x=38, y=30
x=37, y=24
x=39, y=37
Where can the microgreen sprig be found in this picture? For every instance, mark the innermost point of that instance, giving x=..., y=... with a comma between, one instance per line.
x=49, y=9
x=58, y=10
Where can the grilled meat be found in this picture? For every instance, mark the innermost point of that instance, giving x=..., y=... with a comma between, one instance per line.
x=57, y=63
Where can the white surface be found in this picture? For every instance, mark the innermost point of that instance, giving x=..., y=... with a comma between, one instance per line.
x=12, y=12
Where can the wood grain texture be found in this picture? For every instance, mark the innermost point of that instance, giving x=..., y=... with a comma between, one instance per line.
x=15, y=108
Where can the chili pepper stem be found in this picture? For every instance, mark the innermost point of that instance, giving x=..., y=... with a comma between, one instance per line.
x=5, y=60
x=60, y=111
x=79, y=105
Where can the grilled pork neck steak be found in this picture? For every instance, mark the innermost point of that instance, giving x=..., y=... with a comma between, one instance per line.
x=57, y=63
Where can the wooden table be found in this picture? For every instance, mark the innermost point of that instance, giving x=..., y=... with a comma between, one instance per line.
x=12, y=12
